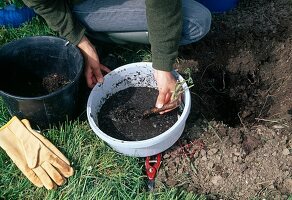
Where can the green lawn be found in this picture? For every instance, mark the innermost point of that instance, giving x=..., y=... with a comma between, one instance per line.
x=100, y=172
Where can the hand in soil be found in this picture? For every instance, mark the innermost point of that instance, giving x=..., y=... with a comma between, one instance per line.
x=173, y=104
x=167, y=107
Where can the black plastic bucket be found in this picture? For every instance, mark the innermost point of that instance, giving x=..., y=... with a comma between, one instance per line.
x=25, y=63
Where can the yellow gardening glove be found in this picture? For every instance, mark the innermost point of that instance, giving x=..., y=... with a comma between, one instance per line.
x=12, y=146
x=29, y=149
x=46, y=142
x=63, y=172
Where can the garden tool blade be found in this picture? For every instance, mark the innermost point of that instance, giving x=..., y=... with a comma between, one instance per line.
x=152, y=166
x=151, y=184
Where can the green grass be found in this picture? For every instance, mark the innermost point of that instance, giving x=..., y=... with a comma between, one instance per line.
x=100, y=172
x=17, y=3
x=36, y=27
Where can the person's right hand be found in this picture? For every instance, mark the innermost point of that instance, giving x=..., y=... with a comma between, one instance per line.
x=166, y=83
x=93, y=67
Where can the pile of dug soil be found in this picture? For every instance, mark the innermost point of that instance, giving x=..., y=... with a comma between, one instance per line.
x=237, y=142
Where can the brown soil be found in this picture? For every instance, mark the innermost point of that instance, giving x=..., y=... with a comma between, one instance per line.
x=53, y=82
x=237, y=143
x=121, y=116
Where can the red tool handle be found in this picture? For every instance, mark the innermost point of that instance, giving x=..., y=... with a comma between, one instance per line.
x=152, y=169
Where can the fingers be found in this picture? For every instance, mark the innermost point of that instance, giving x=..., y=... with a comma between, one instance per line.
x=170, y=106
x=45, y=178
x=97, y=73
x=105, y=69
x=53, y=173
x=61, y=166
x=32, y=176
x=94, y=75
x=164, y=100
x=49, y=176
x=161, y=99
x=90, y=79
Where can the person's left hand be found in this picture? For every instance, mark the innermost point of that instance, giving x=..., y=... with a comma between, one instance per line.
x=93, y=67
x=166, y=85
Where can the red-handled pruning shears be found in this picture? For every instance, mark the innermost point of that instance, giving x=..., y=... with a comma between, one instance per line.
x=152, y=166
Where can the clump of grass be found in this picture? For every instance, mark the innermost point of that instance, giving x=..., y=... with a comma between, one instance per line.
x=17, y=3
x=36, y=26
x=4, y=114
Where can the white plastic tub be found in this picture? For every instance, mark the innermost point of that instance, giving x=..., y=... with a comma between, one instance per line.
x=134, y=75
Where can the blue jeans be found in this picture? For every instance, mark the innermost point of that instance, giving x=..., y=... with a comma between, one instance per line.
x=126, y=19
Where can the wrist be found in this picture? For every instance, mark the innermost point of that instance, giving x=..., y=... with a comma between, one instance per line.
x=163, y=73
x=163, y=64
x=83, y=42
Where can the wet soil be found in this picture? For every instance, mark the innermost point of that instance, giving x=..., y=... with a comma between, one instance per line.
x=121, y=116
x=237, y=143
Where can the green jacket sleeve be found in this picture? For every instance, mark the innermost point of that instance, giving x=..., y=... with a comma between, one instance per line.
x=59, y=18
x=164, y=18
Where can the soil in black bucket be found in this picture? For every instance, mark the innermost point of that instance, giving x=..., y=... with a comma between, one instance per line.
x=121, y=115
x=54, y=81
x=29, y=85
